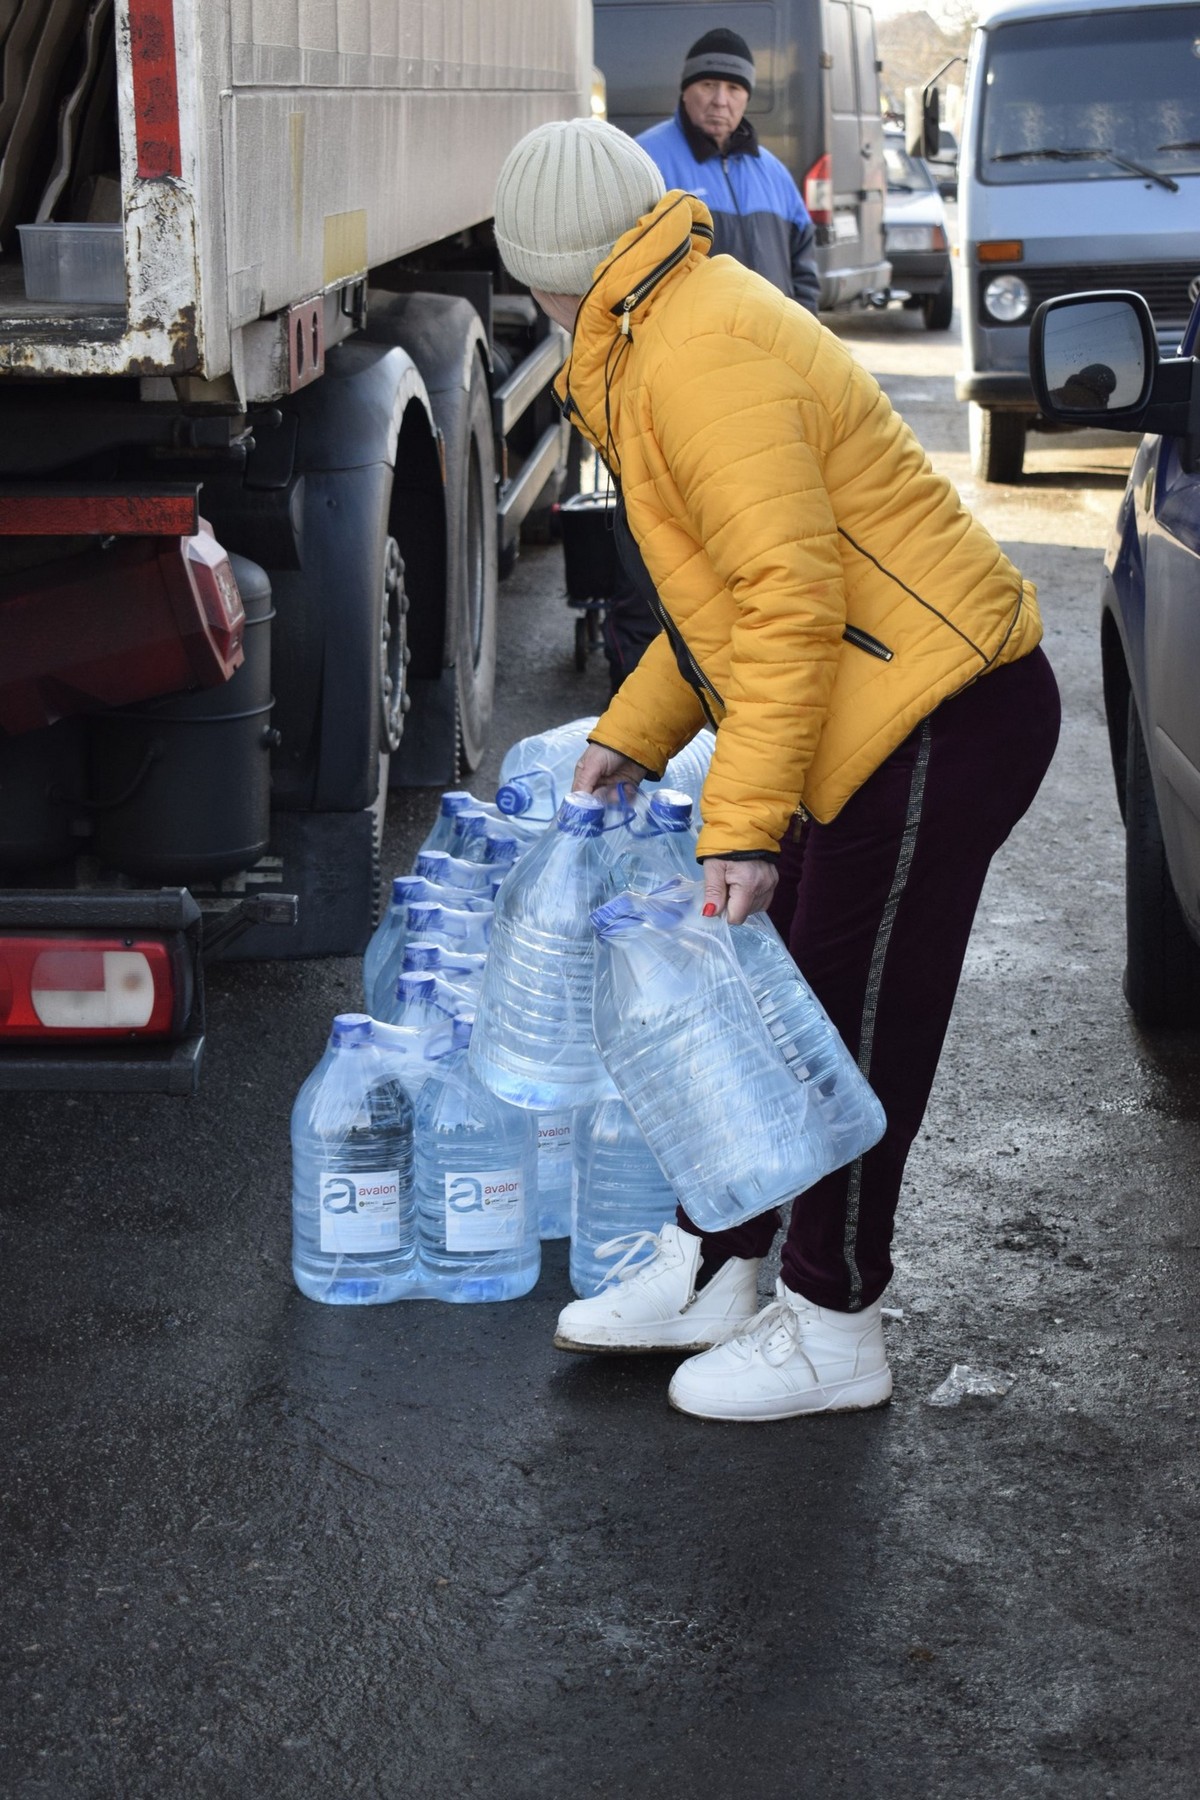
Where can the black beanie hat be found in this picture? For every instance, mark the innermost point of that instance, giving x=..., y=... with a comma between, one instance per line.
x=719, y=56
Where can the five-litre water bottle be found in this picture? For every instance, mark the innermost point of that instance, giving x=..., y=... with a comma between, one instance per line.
x=481, y=838
x=476, y=1185
x=838, y=1092
x=451, y=804
x=415, y=1002
x=455, y=876
x=452, y=926
x=657, y=844
x=681, y=1035
x=535, y=775
x=463, y=967
x=533, y=1042
x=387, y=939
x=555, y=1135
x=354, y=1233
x=619, y=1193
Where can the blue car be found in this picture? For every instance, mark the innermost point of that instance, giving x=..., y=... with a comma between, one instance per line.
x=1095, y=362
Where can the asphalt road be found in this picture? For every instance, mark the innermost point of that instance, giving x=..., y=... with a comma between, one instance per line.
x=255, y=1547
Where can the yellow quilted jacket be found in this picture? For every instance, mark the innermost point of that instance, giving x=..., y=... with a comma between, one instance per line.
x=825, y=588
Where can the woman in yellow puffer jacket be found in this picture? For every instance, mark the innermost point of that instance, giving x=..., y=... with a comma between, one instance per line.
x=884, y=716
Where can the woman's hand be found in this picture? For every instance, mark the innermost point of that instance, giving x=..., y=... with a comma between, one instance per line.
x=599, y=770
x=738, y=887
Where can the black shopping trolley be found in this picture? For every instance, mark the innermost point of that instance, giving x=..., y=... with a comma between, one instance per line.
x=592, y=569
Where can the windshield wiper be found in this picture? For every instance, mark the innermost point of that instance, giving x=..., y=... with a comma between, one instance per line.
x=1089, y=155
x=1187, y=144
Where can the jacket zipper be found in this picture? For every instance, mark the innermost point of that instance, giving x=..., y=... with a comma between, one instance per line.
x=624, y=307
x=862, y=640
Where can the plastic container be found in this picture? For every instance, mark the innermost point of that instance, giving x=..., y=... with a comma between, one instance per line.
x=682, y=1037
x=446, y=871
x=463, y=967
x=74, y=262
x=454, y=926
x=658, y=844
x=535, y=775
x=555, y=1136
x=415, y=1002
x=618, y=1189
x=387, y=940
x=687, y=770
x=838, y=1092
x=456, y=800
x=476, y=1186
x=354, y=1223
x=533, y=1042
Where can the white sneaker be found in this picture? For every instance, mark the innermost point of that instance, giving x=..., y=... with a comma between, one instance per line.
x=653, y=1305
x=793, y=1358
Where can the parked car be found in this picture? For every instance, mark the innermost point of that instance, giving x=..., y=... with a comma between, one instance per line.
x=1094, y=361
x=914, y=235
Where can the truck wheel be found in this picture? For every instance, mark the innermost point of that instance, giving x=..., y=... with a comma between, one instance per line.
x=1162, y=968
x=997, y=441
x=938, y=309
x=471, y=564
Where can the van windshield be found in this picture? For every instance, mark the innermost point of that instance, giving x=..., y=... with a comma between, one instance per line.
x=1084, y=97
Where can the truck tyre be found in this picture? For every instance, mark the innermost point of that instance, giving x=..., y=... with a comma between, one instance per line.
x=1162, y=968
x=938, y=309
x=471, y=566
x=997, y=441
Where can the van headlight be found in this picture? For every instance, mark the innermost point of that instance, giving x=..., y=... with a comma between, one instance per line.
x=1007, y=298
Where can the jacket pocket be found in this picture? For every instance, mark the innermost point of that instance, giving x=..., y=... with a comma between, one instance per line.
x=862, y=640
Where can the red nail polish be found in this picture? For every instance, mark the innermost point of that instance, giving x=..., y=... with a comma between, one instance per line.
x=710, y=911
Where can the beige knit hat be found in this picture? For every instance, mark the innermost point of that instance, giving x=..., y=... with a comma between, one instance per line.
x=565, y=195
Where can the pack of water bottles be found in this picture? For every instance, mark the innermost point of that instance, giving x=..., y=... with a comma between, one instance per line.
x=579, y=1050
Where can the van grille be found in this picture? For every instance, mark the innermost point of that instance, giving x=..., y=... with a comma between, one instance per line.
x=1163, y=286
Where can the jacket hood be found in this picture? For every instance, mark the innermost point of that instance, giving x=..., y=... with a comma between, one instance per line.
x=664, y=245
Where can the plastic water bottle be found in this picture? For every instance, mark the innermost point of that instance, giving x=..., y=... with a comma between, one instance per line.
x=838, y=1092
x=681, y=1035
x=453, y=874
x=415, y=1002
x=618, y=1191
x=452, y=926
x=535, y=775
x=657, y=844
x=533, y=1042
x=451, y=803
x=387, y=937
x=476, y=1184
x=489, y=837
x=555, y=1135
x=354, y=1228
x=463, y=967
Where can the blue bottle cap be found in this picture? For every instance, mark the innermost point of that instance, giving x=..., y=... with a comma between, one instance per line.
x=618, y=914
x=671, y=808
x=352, y=1028
x=501, y=850
x=514, y=798
x=461, y=1029
x=418, y=955
x=431, y=863
x=454, y=801
x=423, y=915
x=581, y=815
x=405, y=888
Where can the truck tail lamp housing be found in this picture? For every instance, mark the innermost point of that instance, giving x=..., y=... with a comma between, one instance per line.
x=129, y=620
x=101, y=990
x=818, y=191
x=75, y=987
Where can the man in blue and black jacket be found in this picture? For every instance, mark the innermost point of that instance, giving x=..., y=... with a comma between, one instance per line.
x=710, y=149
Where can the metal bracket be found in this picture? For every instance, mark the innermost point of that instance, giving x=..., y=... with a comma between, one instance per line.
x=256, y=909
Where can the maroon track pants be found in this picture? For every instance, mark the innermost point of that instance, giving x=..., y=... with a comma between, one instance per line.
x=876, y=908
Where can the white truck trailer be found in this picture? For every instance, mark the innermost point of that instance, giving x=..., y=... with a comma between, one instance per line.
x=271, y=417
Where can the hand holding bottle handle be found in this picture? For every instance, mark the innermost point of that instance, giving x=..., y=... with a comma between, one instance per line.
x=738, y=887
x=599, y=770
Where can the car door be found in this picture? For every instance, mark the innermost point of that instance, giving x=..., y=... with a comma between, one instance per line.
x=1172, y=652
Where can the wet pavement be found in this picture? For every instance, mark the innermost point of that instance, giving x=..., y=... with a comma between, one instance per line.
x=257, y=1547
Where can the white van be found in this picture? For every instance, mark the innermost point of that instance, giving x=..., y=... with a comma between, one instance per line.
x=1079, y=168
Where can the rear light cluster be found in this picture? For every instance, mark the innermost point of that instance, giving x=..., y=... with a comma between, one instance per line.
x=93, y=988
x=818, y=191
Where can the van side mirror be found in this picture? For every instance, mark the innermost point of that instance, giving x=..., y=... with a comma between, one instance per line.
x=922, y=121
x=1094, y=362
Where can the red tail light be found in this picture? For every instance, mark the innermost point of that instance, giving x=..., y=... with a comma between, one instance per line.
x=818, y=191
x=74, y=987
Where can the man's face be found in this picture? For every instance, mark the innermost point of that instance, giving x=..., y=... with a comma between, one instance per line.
x=715, y=107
